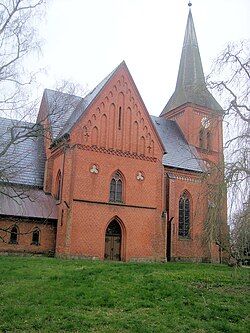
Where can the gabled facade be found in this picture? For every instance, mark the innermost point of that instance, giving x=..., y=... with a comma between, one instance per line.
x=113, y=143
x=121, y=184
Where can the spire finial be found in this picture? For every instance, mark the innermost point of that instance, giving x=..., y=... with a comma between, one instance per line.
x=189, y=4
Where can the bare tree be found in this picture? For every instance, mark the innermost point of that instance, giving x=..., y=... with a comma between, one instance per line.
x=241, y=234
x=18, y=43
x=230, y=80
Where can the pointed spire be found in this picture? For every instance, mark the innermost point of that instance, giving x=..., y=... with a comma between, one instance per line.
x=190, y=69
x=190, y=85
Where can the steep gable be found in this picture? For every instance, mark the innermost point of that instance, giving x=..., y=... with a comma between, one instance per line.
x=63, y=110
x=117, y=119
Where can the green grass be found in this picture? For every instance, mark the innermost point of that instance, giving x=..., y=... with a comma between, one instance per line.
x=50, y=295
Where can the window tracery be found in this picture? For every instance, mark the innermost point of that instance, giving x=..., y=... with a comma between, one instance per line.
x=115, y=193
x=184, y=216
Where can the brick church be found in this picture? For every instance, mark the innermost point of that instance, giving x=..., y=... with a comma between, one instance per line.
x=106, y=180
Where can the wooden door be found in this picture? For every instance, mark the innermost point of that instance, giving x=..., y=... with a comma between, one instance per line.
x=113, y=241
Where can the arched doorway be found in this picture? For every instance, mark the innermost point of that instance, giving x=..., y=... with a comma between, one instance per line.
x=113, y=238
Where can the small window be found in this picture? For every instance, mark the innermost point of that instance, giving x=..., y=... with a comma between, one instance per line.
x=14, y=235
x=208, y=141
x=36, y=237
x=120, y=118
x=184, y=216
x=62, y=214
x=201, y=139
x=115, y=193
x=58, y=185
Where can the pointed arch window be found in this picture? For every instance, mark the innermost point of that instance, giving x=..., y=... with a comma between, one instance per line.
x=205, y=139
x=58, y=185
x=36, y=237
x=184, y=216
x=14, y=235
x=116, y=185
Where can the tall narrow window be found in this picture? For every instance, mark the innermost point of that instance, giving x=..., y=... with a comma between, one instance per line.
x=205, y=139
x=119, y=118
x=13, y=235
x=115, y=193
x=36, y=237
x=201, y=139
x=184, y=216
x=208, y=140
x=58, y=185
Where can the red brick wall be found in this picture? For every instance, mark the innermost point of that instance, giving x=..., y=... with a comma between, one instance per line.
x=128, y=143
x=189, y=117
x=25, y=228
x=191, y=247
x=116, y=133
x=90, y=208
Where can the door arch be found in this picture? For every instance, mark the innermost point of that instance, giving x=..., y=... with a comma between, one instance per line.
x=113, y=240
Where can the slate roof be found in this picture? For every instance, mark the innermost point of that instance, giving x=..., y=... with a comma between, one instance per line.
x=179, y=153
x=60, y=107
x=33, y=202
x=23, y=162
x=66, y=109
x=190, y=86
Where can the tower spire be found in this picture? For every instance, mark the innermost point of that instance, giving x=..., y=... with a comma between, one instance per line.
x=190, y=84
x=190, y=68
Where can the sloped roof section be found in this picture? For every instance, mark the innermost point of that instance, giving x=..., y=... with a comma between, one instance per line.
x=60, y=107
x=190, y=85
x=24, y=160
x=179, y=153
x=27, y=202
x=65, y=109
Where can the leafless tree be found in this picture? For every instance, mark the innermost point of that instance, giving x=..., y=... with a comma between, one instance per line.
x=241, y=234
x=18, y=41
x=18, y=44
x=230, y=81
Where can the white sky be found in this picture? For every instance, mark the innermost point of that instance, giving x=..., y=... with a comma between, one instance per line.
x=84, y=40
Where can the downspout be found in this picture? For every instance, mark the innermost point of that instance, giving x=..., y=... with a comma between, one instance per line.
x=169, y=219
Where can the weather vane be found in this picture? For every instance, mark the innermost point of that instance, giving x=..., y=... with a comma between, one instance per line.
x=189, y=4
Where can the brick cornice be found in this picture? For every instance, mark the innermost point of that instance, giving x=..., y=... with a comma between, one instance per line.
x=116, y=152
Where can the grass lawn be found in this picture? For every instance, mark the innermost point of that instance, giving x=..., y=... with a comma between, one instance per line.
x=53, y=295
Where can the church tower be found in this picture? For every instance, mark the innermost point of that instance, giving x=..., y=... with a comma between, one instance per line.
x=192, y=106
x=198, y=115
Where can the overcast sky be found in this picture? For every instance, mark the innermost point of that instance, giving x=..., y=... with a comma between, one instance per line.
x=84, y=40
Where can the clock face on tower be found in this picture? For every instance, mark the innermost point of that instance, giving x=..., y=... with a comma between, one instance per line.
x=205, y=122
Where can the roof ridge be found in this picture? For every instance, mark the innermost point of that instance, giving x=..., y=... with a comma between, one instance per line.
x=61, y=92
